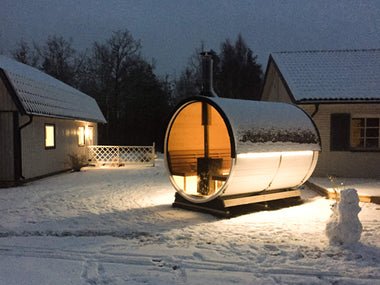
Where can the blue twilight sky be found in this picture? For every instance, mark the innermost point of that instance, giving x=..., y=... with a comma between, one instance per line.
x=170, y=30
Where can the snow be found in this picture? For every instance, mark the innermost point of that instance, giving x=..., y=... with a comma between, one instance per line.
x=268, y=147
x=331, y=74
x=344, y=227
x=364, y=186
x=117, y=226
x=41, y=94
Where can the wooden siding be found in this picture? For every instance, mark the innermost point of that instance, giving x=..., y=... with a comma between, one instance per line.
x=337, y=163
x=38, y=161
x=6, y=147
x=6, y=102
x=274, y=89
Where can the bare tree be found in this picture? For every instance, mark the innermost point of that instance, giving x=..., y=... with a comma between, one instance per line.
x=24, y=54
x=57, y=58
x=133, y=100
x=189, y=82
x=236, y=73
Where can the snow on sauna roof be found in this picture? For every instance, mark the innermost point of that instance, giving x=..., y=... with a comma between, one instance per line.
x=331, y=75
x=40, y=94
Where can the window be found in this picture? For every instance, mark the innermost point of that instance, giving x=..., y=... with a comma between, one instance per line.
x=81, y=141
x=354, y=133
x=90, y=135
x=365, y=133
x=49, y=136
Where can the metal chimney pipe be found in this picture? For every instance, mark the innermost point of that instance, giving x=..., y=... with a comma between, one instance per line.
x=207, y=75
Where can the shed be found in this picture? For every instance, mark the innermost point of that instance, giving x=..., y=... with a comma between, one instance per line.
x=42, y=121
x=340, y=90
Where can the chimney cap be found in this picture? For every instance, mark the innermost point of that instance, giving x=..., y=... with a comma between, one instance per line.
x=208, y=53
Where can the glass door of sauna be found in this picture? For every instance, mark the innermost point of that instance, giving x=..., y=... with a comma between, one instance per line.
x=199, y=150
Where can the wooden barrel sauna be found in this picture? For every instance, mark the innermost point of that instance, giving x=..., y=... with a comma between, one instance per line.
x=217, y=147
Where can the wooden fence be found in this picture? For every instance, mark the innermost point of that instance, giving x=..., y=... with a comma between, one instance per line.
x=101, y=155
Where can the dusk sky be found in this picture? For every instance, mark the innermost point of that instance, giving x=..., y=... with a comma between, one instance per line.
x=171, y=30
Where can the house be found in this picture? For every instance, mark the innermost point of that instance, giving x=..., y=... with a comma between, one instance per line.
x=340, y=90
x=42, y=122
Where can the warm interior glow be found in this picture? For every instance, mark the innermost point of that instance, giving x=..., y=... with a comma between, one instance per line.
x=199, y=150
x=81, y=132
x=89, y=134
x=188, y=183
x=49, y=136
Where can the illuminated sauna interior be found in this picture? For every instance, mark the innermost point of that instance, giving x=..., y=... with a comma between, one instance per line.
x=199, y=150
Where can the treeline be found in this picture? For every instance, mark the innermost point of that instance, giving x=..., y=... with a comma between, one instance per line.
x=134, y=100
x=236, y=72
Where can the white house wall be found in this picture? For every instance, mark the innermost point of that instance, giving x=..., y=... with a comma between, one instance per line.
x=38, y=161
x=338, y=163
x=344, y=163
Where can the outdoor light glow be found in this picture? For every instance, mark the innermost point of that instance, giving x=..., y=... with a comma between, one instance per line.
x=204, y=162
x=275, y=154
x=89, y=135
x=81, y=133
x=87, y=132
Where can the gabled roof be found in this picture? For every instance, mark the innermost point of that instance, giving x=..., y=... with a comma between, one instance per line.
x=330, y=75
x=37, y=93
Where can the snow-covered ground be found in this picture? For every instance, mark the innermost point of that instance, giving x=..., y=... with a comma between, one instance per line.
x=117, y=226
x=364, y=186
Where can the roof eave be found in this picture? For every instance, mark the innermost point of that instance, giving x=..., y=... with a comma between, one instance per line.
x=339, y=101
x=66, y=117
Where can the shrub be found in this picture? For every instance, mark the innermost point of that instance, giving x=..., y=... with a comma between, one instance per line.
x=77, y=162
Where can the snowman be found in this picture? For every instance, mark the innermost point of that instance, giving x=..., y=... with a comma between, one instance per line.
x=344, y=227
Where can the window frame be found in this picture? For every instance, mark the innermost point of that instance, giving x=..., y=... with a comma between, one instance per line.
x=364, y=148
x=54, y=136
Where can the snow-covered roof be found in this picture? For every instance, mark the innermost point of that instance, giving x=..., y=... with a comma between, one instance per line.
x=331, y=75
x=40, y=94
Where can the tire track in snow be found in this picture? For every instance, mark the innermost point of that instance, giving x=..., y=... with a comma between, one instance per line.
x=93, y=271
x=81, y=233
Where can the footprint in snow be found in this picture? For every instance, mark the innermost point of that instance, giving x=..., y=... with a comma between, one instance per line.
x=158, y=262
x=271, y=247
x=198, y=256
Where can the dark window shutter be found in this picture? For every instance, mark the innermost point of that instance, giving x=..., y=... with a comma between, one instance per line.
x=340, y=131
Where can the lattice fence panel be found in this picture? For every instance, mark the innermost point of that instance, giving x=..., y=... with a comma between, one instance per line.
x=121, y=155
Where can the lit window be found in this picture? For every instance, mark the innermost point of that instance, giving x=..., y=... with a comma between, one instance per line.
x=81, y=141
x=49, y=136
x=365, y=133
x=90, y=135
